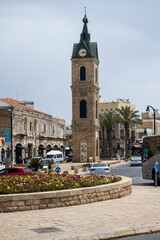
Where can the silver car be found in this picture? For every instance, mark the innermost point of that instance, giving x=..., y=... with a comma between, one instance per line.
x=136, y=160
x=99, y=168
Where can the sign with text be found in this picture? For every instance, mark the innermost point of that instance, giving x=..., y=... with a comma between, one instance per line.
x=7, y=135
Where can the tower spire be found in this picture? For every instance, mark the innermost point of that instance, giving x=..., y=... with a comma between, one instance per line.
x=84, y=42
x=85, y=36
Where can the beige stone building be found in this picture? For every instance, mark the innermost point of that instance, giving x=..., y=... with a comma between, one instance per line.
x=85, y=98
x=148, y=124
x=118, y=132
x=33, y=133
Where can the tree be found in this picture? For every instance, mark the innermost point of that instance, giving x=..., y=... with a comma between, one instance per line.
x=107, y=120
x=127, y=117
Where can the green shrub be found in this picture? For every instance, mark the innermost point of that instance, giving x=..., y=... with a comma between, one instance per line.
x=36, y=163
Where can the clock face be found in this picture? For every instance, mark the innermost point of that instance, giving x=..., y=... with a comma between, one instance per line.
x=82, y=52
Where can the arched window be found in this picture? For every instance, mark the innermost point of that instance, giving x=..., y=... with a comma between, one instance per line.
x=83, y=109
x=82, y=73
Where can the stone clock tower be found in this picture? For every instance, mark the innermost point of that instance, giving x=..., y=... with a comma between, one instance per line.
x=85, y=98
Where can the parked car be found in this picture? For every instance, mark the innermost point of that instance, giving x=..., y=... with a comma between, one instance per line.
x=69, y=158
x=55, y=156
x=2, y=165
x=99, y=168
x=136, y=160
x=10, y=171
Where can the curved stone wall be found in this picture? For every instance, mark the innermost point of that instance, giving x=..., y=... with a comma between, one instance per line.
x=69, y=197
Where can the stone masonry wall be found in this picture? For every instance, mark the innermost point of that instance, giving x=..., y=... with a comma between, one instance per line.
x=70, y=197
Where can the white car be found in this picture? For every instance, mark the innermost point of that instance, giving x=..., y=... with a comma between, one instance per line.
x=136, y=160
x=99, y=168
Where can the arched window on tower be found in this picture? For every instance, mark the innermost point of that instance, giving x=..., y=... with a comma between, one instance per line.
x=83, y=73
x=83, y=109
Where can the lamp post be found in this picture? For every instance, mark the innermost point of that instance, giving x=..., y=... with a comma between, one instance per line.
x=10, y=111
x=147, y=110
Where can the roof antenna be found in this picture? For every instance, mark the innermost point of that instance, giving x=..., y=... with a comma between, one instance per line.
x=85, y=10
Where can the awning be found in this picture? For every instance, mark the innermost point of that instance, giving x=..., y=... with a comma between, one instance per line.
x=42, y=147
x=22, y=147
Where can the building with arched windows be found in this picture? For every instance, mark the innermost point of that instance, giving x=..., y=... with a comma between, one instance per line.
x=33, y=133
x=85, y=98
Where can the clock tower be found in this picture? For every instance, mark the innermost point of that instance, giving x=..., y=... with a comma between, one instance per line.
x=85, y=98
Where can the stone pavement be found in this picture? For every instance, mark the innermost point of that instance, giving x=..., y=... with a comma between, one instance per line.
x=138, y=212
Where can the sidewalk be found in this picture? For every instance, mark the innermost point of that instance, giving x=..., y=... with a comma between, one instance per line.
x=136, y=212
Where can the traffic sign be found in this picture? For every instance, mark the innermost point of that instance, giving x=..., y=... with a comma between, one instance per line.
x=58, y=170
x=156, y=166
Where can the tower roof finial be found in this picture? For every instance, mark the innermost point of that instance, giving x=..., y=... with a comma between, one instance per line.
x=85, y=20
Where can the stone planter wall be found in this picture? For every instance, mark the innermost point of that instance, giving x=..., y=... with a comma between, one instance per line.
x=63, y=198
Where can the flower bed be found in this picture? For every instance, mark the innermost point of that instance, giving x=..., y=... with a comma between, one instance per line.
x=50, y=182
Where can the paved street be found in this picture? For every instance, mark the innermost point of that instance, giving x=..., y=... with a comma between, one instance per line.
x=154, y=236
x=134, y=172
x=137, y=211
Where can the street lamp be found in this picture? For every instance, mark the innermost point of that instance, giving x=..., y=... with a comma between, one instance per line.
x=10, y=111
x=147, y=110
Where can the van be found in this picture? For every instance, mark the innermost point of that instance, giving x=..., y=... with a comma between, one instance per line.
x=55, y=155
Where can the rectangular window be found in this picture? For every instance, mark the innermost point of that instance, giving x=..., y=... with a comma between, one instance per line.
x=44, y=128
x=39, y=128
x=30, y=127
x=96, y=74
x=83, y=94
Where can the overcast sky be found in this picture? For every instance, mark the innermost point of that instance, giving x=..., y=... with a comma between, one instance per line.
x=36, y=41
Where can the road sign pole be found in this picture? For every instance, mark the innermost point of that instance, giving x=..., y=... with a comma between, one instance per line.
x=156, y=172
x=155, y=179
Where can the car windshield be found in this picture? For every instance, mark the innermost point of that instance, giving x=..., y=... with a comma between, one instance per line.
x=4, y=171
x=99, y=164
x=50, y=156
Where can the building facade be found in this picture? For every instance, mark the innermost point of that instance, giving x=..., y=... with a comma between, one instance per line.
x=85, y=98
x=33, y=133
x=118, y=132
x=147, y=127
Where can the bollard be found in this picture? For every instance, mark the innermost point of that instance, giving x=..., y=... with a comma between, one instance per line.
x=90, y=159
x=84, y=169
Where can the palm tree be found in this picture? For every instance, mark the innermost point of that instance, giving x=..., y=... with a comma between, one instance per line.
x=127, y=117
x=107, y=120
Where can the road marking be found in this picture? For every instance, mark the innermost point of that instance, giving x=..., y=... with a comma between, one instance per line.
x=136, y=177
